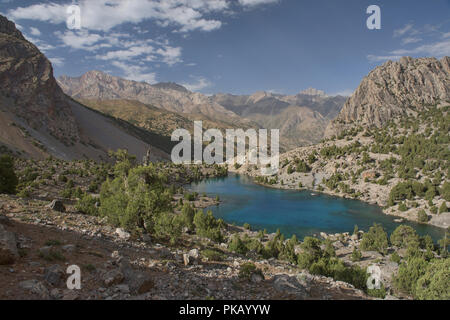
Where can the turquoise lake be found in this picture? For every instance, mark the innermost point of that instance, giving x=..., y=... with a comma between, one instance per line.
x=295, y=212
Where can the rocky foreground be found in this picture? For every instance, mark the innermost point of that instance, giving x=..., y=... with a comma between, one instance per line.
x=42, y=242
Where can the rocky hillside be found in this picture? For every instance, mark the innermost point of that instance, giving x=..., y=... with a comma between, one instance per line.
x=301, y=118
x=395, y=89
x=37, y=119
x=28, y=88
x=96, y=85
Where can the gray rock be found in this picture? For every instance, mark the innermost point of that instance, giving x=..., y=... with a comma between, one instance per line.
x=8, y=247
x=291, y=285
x=69, y=248
x=123, y=234
x=194, y=253
x=186, y=259
x=35, y=287
x=57, y=205
x=113, y=277
x=54, y=275
x=138, y=282
x=256, y=278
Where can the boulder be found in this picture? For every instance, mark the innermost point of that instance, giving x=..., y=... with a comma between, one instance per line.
x=54, y=275
x=186, y=259
x=57, y=205
x=138, y=282
x=112, y=278
x=35, y=287
x=8, y=247
x=123, y=234
x=293, y=285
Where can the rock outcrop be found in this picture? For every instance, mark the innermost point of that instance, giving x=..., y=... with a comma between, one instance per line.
x=395, y=89
x=8, y=247
x=27, y=83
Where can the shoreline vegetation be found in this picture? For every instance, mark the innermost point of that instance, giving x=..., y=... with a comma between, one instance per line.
x=148, y=202
x=402, y=167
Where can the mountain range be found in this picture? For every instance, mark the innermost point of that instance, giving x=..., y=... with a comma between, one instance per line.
x=86, y=116
x=301, y=118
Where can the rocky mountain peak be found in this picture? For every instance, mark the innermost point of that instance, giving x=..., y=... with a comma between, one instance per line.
x=394, y=89
x=170, y=86
x=26, y=79
x=313, y=92
x=9, y=28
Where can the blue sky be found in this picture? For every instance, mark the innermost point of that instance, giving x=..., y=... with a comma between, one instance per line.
x=234, y=46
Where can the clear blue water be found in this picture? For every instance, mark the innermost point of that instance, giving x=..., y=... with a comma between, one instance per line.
x=295, y=212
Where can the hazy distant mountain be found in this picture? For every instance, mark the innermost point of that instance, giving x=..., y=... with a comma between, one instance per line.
x=37, y=119
x=395, y=89
x=301, y=118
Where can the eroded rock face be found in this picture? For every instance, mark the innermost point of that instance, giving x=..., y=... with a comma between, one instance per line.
x=8, y=247
x=395, y=89
x=26, y=80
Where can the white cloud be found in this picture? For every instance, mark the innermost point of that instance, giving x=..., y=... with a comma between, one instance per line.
x=253, y=3
x=126, y=54
x=170, y=55
x=199, y=83
x=59, y=62
x=135, y=73
x=80, y=39
x=35, y=31
x=436, y=49
x=404, y=30
x=409, y=40
x=103, y=15
x=375, y=58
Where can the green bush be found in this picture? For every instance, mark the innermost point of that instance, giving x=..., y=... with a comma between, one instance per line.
x=87, y=205
x=375, y=240
x=356, y=255
x=208, y=226
x=404, y=236
x=248, y=269
x=443, y=208
x=213, y=255
x=8, y=178
x=396, y=258
x=409, y=273
x=434, y=284
x=422, y=216
x=237, y=245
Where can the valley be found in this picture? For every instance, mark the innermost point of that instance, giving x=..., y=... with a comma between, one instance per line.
x=86, y=179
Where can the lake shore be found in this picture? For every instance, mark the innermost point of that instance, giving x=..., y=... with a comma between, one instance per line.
x=373, y=194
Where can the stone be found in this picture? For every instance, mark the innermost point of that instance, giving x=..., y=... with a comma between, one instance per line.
x=138, y=282
x=57, y=205
x=35, y=287
x=186, y=259
x=115, y=255
x=256, y=278
x=54, y=275
x=123, y=234
x=70, y=295
x=113, y=277
x=8, y=247
x=55, y=294
x=291, y=285
x=194, y=253
x=69, y=248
